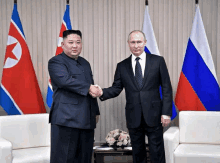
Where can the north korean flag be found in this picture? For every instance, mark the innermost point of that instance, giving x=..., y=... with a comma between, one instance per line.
x=19, y=91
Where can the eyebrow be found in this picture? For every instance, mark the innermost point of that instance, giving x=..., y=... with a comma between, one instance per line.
x=73, y=40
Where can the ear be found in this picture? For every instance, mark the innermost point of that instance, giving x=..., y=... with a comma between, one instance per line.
x=62, y=44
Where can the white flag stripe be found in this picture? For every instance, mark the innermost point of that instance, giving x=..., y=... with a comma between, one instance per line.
x=200, y=41
x=149, y=33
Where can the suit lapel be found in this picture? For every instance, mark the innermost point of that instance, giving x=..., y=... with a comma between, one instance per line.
x=147, y=68
x=131, y=73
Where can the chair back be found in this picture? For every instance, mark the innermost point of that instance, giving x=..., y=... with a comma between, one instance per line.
x=201, y=127
x=24, y=131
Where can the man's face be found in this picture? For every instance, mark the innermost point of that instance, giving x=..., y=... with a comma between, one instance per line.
x=72, y=45
x=136, y=43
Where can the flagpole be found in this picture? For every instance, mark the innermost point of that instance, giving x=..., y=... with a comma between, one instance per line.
x=15, y=1
x=67, y=2
x=146, y=2
x=197, y=3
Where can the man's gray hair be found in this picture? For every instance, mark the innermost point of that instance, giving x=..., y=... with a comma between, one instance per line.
x=134, y=31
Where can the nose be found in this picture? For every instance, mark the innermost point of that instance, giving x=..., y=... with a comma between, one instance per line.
x=74, y=44
x=136, y=45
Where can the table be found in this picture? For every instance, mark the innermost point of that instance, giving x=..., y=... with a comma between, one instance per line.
x=100, y=154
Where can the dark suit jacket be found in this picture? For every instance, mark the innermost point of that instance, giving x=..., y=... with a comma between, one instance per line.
x=146, y=99
x=72, y=105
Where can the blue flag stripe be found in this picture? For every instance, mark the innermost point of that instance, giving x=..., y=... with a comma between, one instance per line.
x=66, y=18
x=201, y=78
x=16, y=19
x=147, y=50
x=49, y=95
x=7, y=103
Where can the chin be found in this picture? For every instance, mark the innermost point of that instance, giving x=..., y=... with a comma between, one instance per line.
x=75, y=55
x=137, y=54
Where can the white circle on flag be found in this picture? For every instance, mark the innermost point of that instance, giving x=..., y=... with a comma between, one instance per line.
x=10, y=62
x=60, y=40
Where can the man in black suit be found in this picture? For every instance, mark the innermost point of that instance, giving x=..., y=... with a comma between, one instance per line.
x=146, y=113
x=73, y=112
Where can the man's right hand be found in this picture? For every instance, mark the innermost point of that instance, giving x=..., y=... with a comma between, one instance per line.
x=95, y=91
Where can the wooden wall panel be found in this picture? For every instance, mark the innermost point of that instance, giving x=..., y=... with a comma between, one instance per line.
x=105, y=26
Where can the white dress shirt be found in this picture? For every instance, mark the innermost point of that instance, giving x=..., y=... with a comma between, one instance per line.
x=142, y=62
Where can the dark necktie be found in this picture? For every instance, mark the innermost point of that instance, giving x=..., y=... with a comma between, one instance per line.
x=138, y=73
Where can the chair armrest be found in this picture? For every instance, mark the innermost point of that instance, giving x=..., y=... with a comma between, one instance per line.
x=171, y=141
x=5, y=151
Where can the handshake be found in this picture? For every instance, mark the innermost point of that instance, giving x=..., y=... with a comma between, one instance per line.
x=95, y=91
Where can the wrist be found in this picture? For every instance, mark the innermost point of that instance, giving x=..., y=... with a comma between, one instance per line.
x=90, y=87
x=166, y=117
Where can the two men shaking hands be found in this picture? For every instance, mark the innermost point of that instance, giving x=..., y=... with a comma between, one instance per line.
x=95, y=91
x=75, y=107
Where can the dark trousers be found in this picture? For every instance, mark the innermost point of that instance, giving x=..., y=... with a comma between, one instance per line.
x=155, y=141
x=71, y=145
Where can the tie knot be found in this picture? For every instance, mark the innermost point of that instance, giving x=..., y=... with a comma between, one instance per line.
x=137, y=59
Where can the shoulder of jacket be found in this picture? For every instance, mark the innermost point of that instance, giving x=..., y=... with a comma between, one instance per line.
x=155, y=56
x=126, y=60
x=56, y=58
x=83, y=59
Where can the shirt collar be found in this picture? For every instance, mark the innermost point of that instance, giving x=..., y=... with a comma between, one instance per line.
x=142, y=56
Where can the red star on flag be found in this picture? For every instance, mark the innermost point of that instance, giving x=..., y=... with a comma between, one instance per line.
x=9, y=53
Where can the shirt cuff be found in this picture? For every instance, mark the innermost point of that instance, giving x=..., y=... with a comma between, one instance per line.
x=166, y=117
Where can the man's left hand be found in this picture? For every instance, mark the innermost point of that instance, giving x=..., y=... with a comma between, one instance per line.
x=165, y=122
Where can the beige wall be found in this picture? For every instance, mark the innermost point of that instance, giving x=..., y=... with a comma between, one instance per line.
x=105, y=25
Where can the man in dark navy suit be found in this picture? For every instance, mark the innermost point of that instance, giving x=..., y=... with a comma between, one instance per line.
x=74, y=111
x=141, y=75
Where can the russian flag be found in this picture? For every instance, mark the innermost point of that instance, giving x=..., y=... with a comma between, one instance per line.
x=151, y=46
x=66, y=25
x=198, y=87
x=19, y=91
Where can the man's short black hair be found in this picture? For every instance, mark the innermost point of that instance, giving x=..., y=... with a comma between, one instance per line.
x=69, y=32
